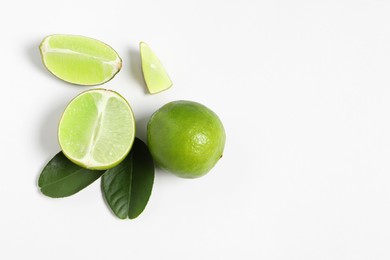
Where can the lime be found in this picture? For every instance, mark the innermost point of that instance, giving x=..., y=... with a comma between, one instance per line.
x=97, y=129
x=79, y=60
x=186, y=138
x=156, y=78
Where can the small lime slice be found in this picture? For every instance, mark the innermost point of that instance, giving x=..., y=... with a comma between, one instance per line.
x=79, y=60
x=97, y=129
x=156, y=78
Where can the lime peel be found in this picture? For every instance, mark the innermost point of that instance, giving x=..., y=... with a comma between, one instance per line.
x=186, y=138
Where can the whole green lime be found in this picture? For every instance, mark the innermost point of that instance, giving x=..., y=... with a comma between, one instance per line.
x=186, y=138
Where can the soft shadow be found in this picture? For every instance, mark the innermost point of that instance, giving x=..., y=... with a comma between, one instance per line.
x=136, y=68
x=47, y=134
x=141, y=127
x=48, y=130
x=34, y=56
x=162, y=172
x=141, y=133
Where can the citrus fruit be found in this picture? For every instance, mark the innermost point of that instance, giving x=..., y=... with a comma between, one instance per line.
x=186, y=138
x=156, y=78
x=97, y=129
x=79, y=59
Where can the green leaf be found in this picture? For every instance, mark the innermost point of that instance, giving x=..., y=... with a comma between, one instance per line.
x=62, y=178
x=127, y=187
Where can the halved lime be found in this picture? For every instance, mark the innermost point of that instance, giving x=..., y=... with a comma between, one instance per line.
x=79, y=59
x=156, y=78
x=97, y=129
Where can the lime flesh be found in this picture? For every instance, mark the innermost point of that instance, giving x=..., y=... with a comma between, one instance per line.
x=186, y=138
x=155, y=75
x=97, y=129
x=79, y=59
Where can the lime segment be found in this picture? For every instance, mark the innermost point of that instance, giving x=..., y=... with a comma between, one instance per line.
x=156, y=78
x=79, y=60
x=97, y=129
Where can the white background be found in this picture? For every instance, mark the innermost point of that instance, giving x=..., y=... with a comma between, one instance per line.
x=303, y=90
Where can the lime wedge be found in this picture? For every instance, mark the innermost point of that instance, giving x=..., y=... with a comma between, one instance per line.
x=156, y=78
x=79, y=60
x=97, y=129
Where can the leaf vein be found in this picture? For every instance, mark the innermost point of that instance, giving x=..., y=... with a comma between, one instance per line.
x=62, y=179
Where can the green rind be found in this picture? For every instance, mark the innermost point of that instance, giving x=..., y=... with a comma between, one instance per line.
x=41, y=47
x=186, y=138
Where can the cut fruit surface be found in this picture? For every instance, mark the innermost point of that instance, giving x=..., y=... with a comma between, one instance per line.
x=97, y=129
x=155, y=75
x=79, y=59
